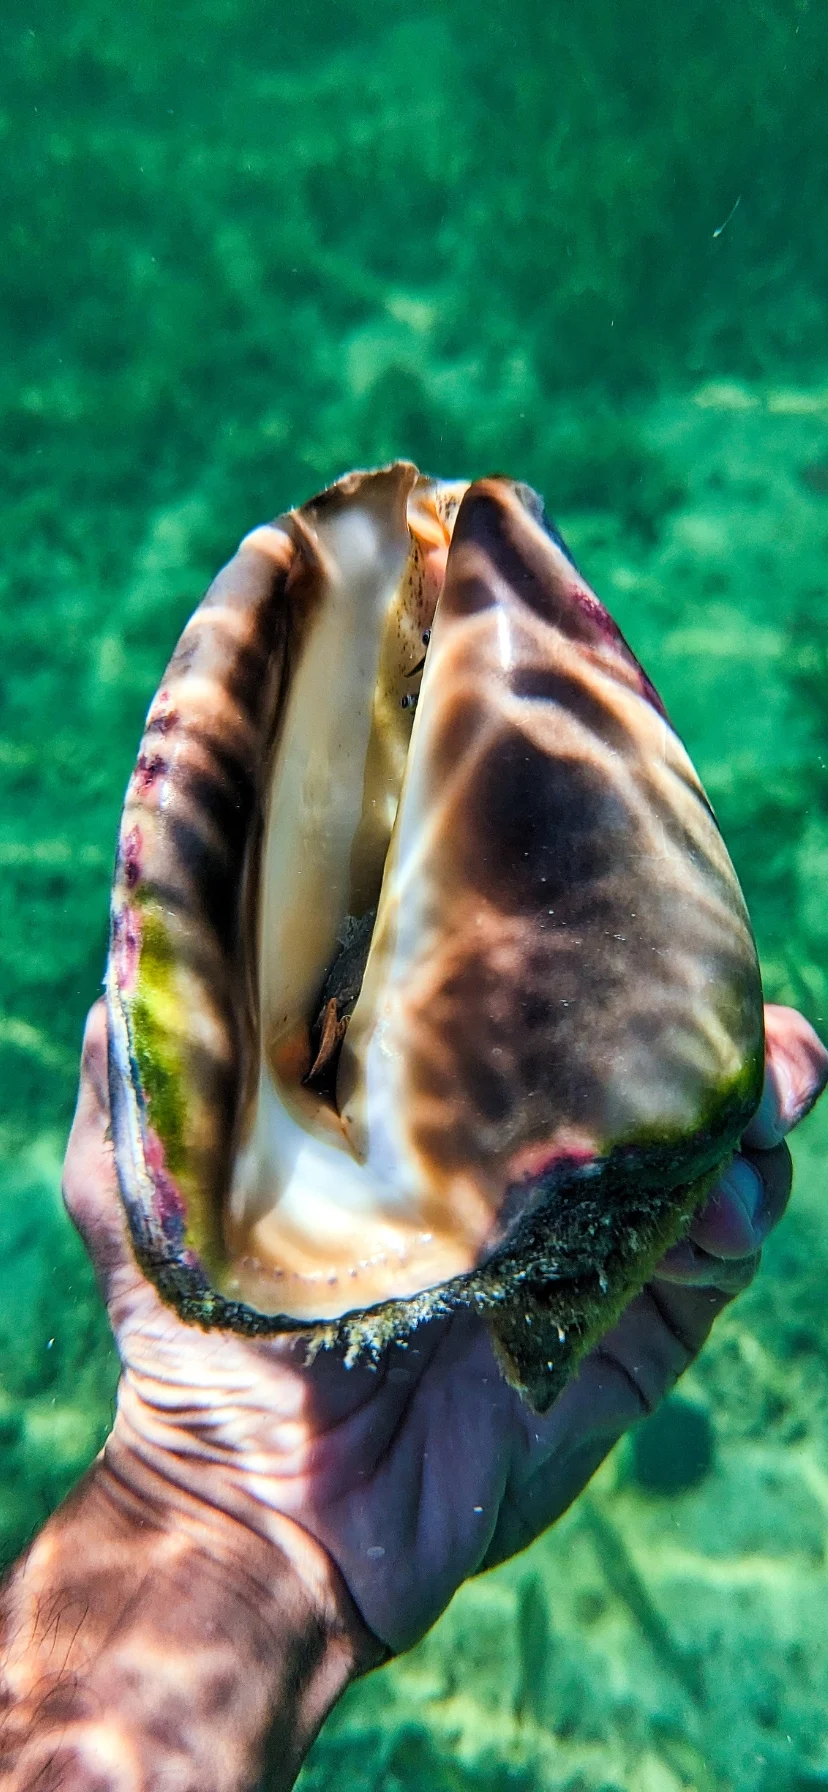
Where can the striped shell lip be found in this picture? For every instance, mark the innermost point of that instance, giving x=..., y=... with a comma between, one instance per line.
x=557, y=1030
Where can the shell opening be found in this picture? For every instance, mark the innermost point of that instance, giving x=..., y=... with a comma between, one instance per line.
x=316, y=1222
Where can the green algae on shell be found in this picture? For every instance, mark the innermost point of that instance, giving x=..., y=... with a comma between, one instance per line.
x=557, y=1037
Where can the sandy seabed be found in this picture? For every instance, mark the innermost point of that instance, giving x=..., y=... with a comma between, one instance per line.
x=245, y=248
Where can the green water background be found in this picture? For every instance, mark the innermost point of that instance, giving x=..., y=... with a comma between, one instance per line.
x=246, y=247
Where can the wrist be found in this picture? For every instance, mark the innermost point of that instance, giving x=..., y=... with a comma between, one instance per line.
x=244, y=1503
x=270, y=1600
x=269, y=1555
x=146, y=1637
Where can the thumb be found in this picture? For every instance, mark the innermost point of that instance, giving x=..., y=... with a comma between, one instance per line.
x=90, y=1180
x=796, y=1072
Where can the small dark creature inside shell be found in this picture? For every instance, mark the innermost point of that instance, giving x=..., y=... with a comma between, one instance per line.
x=430, y=982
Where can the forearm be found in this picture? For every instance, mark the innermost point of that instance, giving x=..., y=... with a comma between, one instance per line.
x=138, y=1652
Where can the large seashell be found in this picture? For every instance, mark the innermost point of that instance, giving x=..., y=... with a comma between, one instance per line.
x=557, y=1037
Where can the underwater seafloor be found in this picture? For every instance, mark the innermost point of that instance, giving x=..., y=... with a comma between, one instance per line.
x=246, y=250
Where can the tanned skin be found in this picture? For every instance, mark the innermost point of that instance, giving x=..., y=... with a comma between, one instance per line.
x=258, y=1532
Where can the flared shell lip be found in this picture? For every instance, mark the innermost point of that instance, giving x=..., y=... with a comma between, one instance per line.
x=534, y=1254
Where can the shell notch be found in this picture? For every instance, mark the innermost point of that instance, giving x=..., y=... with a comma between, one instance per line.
x=419, y=1004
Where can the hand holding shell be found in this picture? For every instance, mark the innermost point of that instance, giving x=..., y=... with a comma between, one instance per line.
x=414, y=1471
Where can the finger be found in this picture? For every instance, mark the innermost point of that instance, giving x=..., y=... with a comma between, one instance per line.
x=747, y=1202
x=796, y=1072
x=730, y=1228
x=86, y=1151
x=687, y=1265
x=90, y=1182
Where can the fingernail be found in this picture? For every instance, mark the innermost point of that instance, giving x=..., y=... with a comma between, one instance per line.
x=743, y=1182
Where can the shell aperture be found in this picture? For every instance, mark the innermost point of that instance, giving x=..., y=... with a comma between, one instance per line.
x=557, y=1035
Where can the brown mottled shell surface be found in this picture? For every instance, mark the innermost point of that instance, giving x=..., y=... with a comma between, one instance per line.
x=558, y=1036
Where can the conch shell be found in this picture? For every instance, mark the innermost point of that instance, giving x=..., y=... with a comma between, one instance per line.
x=419, y=998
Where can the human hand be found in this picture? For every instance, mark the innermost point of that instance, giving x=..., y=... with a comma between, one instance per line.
x=260, y=1529
x=403, y=1478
